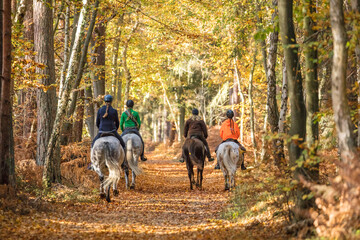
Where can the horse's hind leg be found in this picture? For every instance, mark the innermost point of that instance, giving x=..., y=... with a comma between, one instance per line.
x=125, y=167
x=102, y=192
x=191, y=175
x=199, y=178
x=133, y=176
x=108, y=194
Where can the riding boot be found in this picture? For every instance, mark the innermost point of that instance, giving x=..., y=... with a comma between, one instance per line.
x=242, y=164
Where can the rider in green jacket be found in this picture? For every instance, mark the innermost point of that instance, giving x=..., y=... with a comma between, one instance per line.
x=130, y=123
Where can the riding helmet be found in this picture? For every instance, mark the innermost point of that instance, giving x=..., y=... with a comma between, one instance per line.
x=195, y=111
x=108, y=98
x=230, y=114
x=130, y=103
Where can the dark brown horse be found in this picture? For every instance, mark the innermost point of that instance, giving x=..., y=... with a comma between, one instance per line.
x=193, y=151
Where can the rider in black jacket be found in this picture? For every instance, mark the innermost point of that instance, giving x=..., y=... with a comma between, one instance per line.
x=107, y=121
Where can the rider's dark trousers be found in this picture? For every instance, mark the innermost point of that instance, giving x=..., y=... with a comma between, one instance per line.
x=116, y=134
x=203, y=139
x=135, y=131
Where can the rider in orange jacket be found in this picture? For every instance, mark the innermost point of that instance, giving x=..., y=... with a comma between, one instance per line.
x=230, y=132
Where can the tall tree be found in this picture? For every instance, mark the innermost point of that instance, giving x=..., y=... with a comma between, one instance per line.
x=50, y=175
x=46, y=96
x=273, y=112
x=355, y=5
x=311, y=82
x=80, y=70
x=338, y=87
x=7, y=164
x=124, y=61
x=297, y=105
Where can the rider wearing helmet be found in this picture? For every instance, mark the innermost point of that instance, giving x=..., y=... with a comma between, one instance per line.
x=107, y=121
x=130, y=123
x=229, y=131
x=196, y=127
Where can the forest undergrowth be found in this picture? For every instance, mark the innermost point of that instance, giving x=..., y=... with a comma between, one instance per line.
x=161, y=206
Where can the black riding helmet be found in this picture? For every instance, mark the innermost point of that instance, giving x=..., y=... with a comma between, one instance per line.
x=230, y=114
x=195, y=111
x=130, y=103
x=108, y=98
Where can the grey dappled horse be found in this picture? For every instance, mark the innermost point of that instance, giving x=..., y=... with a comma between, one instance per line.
x=107, y=151
x=133, y=152
x=193, y=151
x=229, y=159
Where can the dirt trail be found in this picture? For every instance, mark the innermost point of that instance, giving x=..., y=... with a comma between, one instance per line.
x=161, y=207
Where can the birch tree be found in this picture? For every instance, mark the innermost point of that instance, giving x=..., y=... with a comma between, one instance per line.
x=49, y=174
x=341, y=108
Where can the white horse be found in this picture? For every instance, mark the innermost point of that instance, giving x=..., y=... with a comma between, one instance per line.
x=133, y=152
x=107, y=151
x=229, y=159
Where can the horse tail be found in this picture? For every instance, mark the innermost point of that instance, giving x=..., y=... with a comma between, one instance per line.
x=130, y=158
x=113, y=165
x=228, y=159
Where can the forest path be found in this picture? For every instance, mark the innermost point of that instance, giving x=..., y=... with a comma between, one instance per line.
x=161, y=207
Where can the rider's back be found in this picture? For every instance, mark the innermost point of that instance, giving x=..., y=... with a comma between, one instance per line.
x=110, y=122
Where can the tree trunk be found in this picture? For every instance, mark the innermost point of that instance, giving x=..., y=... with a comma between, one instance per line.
x=341, y=109
x=312, y=85
x=99, y=80
x=7, y=163
x=124, y=63
x=251, y=106
x=30, y=94
x=48, y=176
x=280, y=159
x=80, y=70
x=242, y=100
x=273, y=112
x=298, y=112
x=46, y=98
x=66, y=48
x=355, y=5
x=89, y=110
x=182, y=123
x=79, y=119
x=1, y=46
x=115, y=67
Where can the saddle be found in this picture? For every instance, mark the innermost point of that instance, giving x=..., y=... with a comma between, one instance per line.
x=131, y=130
x=195, y=137
x=106, y=134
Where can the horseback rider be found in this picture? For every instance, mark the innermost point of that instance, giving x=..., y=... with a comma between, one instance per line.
x=196, y=127
x=230, y=132
x=107, y=121
x=131, y=120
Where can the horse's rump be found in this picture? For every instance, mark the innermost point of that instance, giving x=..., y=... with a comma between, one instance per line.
x=228, y=156
x=108, y=152
x=194, y=149
x=133, y=151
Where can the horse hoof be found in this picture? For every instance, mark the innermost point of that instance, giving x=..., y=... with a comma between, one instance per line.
x=108, y=199
x=132, y=187
x=116, y=192
x=102, y=195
